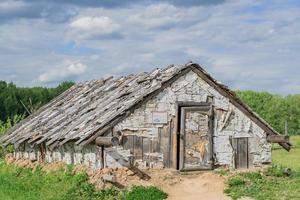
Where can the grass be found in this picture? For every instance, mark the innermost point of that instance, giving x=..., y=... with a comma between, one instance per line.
x=271, y=184
x=263, y=186
x=23, y=183
x=289, y=159
x=141, y=193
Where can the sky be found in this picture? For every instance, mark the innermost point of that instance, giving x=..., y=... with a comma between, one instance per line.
x=248, y=45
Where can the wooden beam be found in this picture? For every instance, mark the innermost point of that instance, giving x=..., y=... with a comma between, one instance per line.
x=107, y=141
x=278, y=138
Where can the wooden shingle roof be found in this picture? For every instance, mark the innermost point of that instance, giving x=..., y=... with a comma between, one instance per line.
x=88, y=110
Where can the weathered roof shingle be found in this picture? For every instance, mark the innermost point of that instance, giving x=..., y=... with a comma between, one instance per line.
x=89, y=109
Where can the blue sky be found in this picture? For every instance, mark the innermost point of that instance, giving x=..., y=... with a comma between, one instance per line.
x=245, y=44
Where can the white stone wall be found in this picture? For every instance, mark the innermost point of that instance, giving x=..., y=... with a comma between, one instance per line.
x=68, y=153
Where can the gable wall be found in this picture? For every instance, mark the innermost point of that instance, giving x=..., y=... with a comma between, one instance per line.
x=190, y=88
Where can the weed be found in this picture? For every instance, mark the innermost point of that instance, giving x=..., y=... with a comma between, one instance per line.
x=23, y=183
x=141, y=193
x=236, y=181
x=273, y=185
x=276, y=170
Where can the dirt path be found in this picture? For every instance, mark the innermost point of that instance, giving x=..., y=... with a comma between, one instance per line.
x=205, y=185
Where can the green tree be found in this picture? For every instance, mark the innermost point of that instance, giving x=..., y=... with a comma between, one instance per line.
x=275, y=109
x=23, y=100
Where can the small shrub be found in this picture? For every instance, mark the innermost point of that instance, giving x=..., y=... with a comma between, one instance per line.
x=81, y=188
x=108, y=194
x=236, y=181
x=141, y=193
x=296, y=173
x=5, y=126
x=252, y=175
x=276, y=170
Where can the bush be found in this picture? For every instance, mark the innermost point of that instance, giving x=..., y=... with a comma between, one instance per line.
x=236, y=181
x=5, y=127
x=141, y=193
x=276, y=170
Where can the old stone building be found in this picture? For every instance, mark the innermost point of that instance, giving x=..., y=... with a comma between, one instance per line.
x=178, y=117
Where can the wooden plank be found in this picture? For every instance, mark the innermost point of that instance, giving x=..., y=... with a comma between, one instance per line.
x=159, y=139
x=181, y=139
x=138, y=148
x=128, y=142
x=146, y=148
x=174, y=140
x=164, y=144
x=242, y=153
x=170, y=163
x=155, y=145
x=211, y=135
x=278, y=138
x=234, y=146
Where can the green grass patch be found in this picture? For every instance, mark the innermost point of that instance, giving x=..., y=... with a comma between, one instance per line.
x=264, y=186
x=289, y=159
x=141, y=193
x=295, y=141
x=272, y=184
x=23, y=184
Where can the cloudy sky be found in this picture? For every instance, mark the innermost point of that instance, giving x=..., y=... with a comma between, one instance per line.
x=245, y=44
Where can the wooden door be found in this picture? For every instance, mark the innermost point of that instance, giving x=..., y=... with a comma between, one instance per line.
x=195, y=138
x=241, y=153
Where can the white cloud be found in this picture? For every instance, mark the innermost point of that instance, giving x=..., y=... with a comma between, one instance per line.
x=90, y=27
x=57, y=74
x=11, y=6
x=156, y=16
x=245, y=44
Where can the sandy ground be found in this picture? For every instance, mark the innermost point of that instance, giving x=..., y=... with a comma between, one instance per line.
x=205, y=185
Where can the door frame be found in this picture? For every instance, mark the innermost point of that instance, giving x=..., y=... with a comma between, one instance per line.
x=205, y=106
